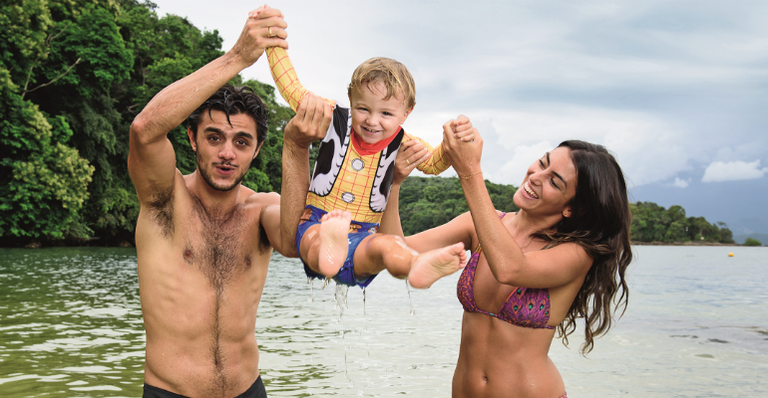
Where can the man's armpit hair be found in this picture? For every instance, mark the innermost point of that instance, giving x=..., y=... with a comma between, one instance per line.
x=264, y=243
x=161, y=211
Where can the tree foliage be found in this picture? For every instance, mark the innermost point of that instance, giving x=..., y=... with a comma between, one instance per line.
x=428, y=202
x=752, y=242
x=44, y=181
x=73, y=75
x=654, y=223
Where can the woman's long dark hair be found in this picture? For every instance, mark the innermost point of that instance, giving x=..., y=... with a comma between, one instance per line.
x=600, y=223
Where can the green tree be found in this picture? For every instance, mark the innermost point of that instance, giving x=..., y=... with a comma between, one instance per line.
x=44, y=182
x=654, y=223
x=74, y=74
x=752, y=242
x=648, y=222
x=89, y=43
x=726, y=235
x=429, y=202
x=676, y=224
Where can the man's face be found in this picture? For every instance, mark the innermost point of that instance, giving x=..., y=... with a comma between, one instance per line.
x=373, y=118
x=224, y=151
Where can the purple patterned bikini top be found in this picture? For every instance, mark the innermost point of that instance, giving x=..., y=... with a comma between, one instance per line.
x=525, y=307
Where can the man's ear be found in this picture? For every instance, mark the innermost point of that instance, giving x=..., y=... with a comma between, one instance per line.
x=192, y=139
x=258, y=148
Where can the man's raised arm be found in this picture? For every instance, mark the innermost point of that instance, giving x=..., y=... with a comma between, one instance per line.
x=151, y=160
x=310, y=124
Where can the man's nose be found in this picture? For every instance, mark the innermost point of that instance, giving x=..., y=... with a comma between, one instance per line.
x=227, y=151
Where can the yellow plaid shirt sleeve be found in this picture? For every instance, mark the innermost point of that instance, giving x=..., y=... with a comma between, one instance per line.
x=437, y=162
x=285, y=78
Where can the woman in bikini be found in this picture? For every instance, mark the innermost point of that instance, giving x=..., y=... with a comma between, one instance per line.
x=532, y=273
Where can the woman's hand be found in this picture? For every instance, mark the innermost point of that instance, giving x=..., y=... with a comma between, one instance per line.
x=411, y=154
x=463, y=144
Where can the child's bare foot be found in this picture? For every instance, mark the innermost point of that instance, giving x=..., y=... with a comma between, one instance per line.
x=334, y=228
x=428, y=267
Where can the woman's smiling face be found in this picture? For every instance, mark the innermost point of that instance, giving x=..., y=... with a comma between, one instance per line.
x=549, y=184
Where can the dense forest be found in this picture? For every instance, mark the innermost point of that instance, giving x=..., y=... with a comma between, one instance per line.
x=74, y=74
x=428, y=202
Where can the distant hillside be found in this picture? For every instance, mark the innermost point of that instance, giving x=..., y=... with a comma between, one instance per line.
x=740, y=239
x=747, y=226
x=428, y=202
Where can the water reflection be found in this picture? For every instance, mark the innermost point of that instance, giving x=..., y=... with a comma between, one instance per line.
x=317, y=340
x=70, y=326
x=71, y=323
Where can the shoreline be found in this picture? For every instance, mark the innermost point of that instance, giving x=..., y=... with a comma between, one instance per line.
x=687, y=244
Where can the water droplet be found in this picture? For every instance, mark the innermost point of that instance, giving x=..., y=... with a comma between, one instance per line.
x=410, y=302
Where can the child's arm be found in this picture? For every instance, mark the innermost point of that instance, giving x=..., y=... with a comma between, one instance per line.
x=438, y=162
x=285, y=78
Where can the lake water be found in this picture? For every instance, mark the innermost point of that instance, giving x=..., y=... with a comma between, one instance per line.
x=696, y=326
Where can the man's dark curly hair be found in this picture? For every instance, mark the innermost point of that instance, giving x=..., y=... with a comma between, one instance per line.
x=233, y=101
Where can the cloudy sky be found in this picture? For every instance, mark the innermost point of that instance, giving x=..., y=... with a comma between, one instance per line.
x=677, y=90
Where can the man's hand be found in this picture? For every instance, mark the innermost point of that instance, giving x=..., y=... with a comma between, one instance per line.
x=310, y=123
x=264, y=28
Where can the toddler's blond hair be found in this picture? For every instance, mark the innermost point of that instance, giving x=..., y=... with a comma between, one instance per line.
x=393, y=74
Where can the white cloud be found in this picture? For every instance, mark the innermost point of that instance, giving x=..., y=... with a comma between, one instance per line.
x=752, y=149
x=733, y=171
x=647, y=149
x=513, y=170
x=524, y=45
x=668, y=87
x=680, y=183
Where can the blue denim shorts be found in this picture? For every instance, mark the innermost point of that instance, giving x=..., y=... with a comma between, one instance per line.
x=358, y=232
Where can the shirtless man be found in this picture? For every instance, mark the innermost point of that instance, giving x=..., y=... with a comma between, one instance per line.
x=203, y=240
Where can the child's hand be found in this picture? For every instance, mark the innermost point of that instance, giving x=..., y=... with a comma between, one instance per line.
x=466, y=150
x=264, y=28
x=462, y=129
x=255, y=13
x=411, y=154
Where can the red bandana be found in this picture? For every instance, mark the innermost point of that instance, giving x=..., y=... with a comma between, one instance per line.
x=365, y=149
